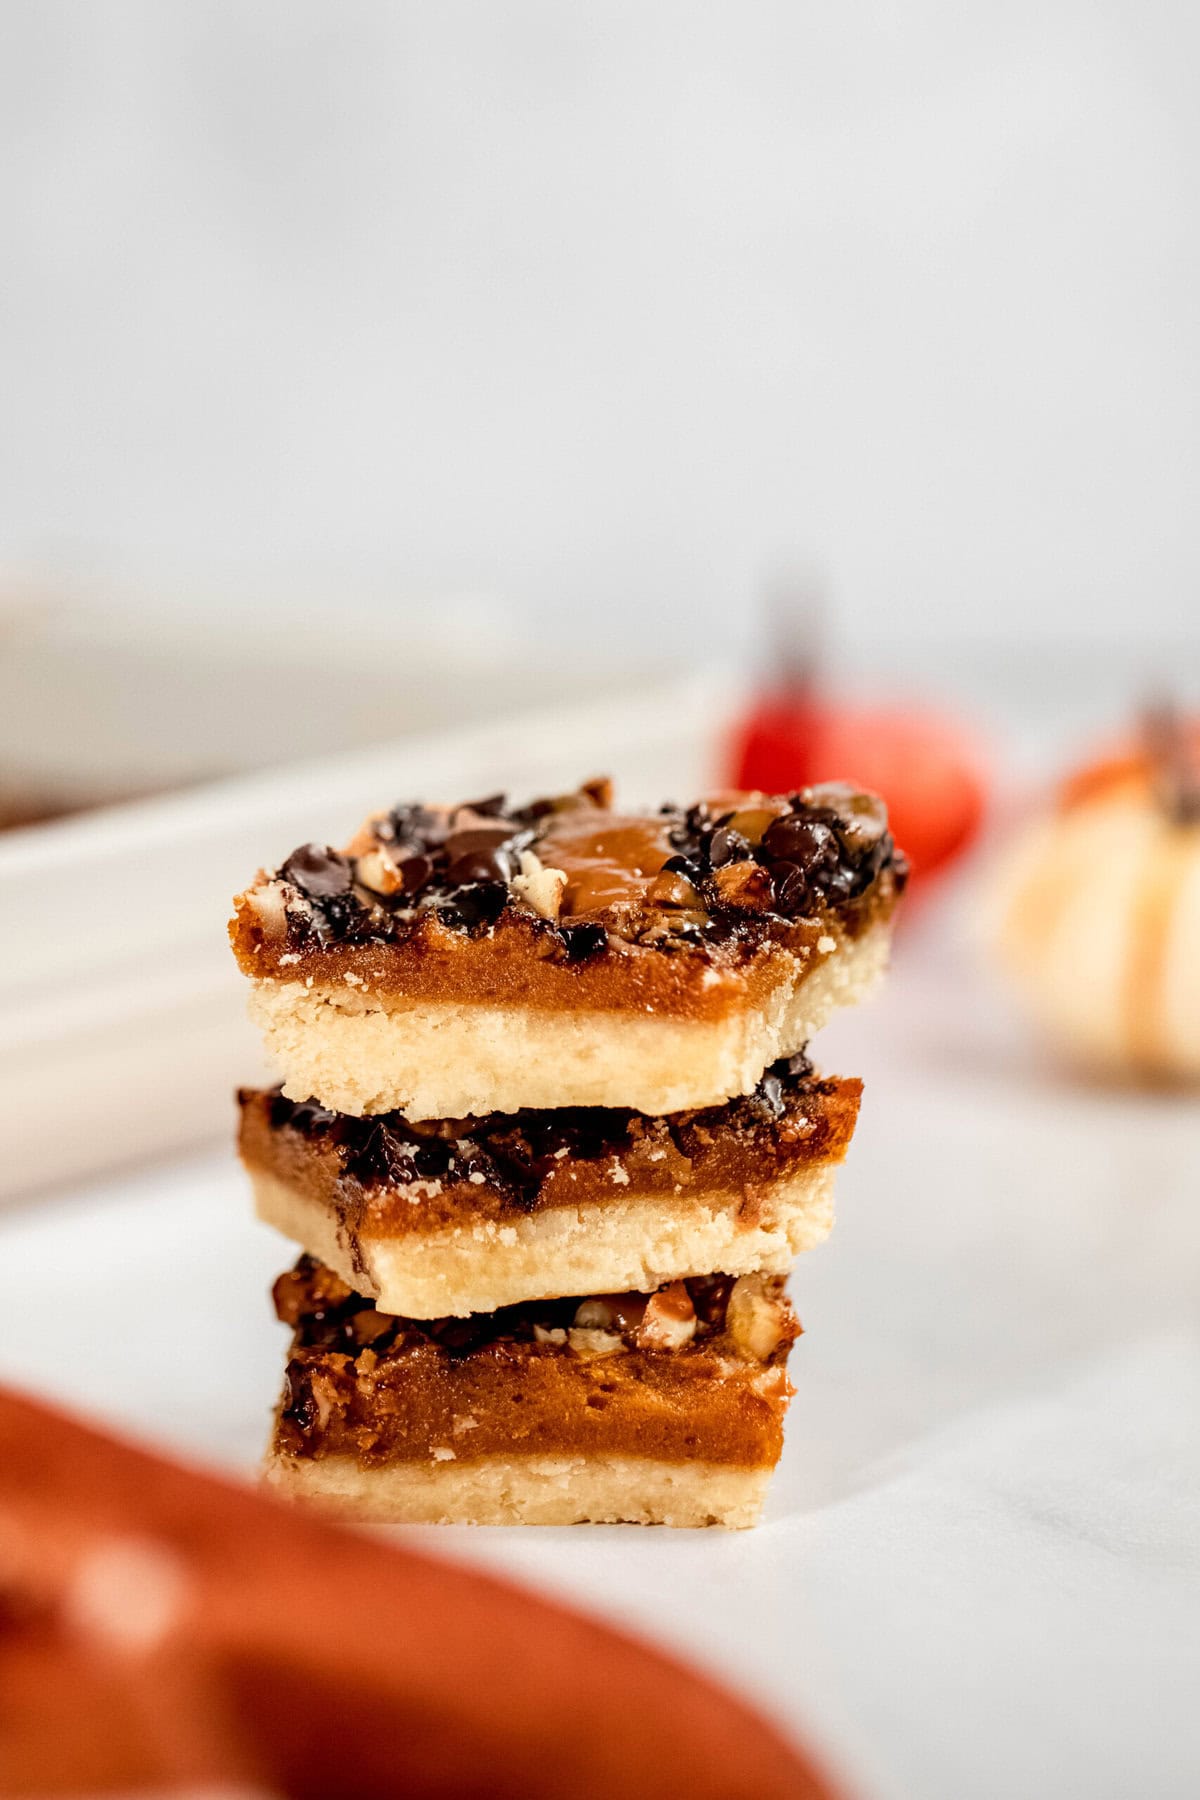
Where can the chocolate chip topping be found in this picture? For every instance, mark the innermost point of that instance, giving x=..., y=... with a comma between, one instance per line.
x=318, y=872
x=729, y=872
x=328, y=1316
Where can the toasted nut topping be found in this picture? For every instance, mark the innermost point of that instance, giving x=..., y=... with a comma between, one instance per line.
x=673, y=890
x=745, y=884
x=378, y=872
x=670, y=1319
x=595, y=1315
x=549, y=1334
x=754, y=1319
x=369, y=1325
x=595, y=1343
x=599, y=791
x=753, y=821
x=270, y=907
x=538, y=886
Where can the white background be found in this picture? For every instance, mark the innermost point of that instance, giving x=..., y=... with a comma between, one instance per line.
x=604, y=309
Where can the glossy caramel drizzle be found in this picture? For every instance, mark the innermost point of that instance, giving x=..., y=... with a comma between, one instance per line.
x=610, y=863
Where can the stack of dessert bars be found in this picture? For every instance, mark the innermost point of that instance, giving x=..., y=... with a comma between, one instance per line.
x=549, y=1139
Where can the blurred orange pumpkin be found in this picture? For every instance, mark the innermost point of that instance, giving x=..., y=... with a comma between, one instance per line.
x=1098, y=920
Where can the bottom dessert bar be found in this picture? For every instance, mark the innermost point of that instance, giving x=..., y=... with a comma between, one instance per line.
x=649, y=1409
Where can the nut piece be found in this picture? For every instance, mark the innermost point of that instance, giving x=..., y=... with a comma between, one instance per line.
x=752, y=821
x=589, y=1343
x=269, y=904
x=744, y=884
x=670, y=1319
x=595, y=1315
x=377, y=872
x=756, y=1317
x=670, y=889
x=539, y=886
x=599, y=791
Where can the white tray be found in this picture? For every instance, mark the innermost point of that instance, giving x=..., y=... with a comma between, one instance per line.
x=121, y=1027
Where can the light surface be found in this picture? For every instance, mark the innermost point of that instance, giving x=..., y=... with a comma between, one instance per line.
x=980, y=1571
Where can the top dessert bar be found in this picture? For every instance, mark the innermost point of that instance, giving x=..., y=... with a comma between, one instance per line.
x=481, y=957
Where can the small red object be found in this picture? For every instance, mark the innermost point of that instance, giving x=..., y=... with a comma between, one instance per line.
x=925, y=767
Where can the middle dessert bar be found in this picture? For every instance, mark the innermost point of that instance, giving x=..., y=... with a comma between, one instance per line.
x=465, y=1216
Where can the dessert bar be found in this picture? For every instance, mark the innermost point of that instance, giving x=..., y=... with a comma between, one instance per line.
x=467, y=1215
x=482, y=958
x=664, y=1408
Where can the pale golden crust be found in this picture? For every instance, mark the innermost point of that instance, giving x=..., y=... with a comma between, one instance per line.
x=637, y=1242
x=528, y=1490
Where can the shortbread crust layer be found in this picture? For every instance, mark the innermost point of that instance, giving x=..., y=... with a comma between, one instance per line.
x=528, y=1490
x=469, y=1215
x=694, y=1374
x=626, y=1244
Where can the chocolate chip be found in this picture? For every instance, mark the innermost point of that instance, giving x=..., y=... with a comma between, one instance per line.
x=770, y=1094
x=457, y=1334
x=725, y=846
x=418, y=825
x=432, y=1158
x=304, y=1116
x=801, y=840
x=791, y=885
x=710, y=1297
x=340, y=919
x=488, y=808
x=480, y=865
x=378, y=1157
x=318, y=872
x=814, y=855
x=474, y=838
x=480, y=903
x=479, y=854
x=583, y=941
x=299, y=1401
x=690, y=867
x=415, y=872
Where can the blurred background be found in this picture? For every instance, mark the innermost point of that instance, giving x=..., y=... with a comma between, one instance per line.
x=415, y=399
x=375, y=374
x=578, y=318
